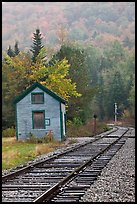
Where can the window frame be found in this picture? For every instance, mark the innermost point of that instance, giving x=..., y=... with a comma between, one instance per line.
x=38, y=111
x=37, y=93
x=47, y=121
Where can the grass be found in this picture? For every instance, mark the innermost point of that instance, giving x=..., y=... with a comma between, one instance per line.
x=15, y=152
x=87, y=129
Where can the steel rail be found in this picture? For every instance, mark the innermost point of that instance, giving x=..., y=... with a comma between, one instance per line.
x=46, y=196
x=25, y=186
x=28, y=167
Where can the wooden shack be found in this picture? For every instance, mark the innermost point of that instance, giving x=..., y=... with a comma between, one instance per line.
x=38, y=111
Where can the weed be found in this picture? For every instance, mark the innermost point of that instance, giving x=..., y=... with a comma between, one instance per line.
x=9, y=132
x=42, y=149
x=32, y=138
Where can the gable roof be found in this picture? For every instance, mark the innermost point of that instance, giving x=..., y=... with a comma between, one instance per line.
x=43, y=88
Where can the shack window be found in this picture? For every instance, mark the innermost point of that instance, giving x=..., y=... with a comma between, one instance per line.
x=37, y=98
x=38, y=119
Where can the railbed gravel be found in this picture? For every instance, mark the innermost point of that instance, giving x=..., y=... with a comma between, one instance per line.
x=117, y=180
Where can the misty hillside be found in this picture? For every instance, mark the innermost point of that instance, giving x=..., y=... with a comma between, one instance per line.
x=97, y=23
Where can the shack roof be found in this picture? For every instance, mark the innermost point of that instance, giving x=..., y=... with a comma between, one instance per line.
x=43, y=88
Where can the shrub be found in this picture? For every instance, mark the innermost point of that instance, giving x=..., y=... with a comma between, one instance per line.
x=42, y=149
x=105, y=127
x=32, y=138
x=77, y=121
x=47, y=138
x=9, y=132
x=69, y=123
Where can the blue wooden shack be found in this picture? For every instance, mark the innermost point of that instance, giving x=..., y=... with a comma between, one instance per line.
x=38, y=111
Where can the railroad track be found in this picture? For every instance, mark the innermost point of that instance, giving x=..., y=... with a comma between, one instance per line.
x=65, y=176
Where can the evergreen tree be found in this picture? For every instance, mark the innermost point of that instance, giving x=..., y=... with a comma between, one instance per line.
x=78, y=72
x=116, y=94
x=37, y=44
x=10, y=52
x=16, y=48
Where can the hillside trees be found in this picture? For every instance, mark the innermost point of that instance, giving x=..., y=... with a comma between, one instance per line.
x=115, y=93
x=113, y=54
x=109, y=20
x=111, y=71
x=95, y=62
x=118, y=78
x=132, y=100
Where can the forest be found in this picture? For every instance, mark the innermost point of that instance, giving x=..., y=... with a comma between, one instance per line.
x=97, y=23
x=92, y=68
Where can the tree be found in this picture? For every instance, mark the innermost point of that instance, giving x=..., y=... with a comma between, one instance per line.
x=115, y=93
x=62, y=35
x=132, y=100
x=16, y=48
x=78, y=72
x=7, y=109
x=55, y=77
x=113, y=54
x=19, y=73
x=94, y=61
x=37, y=44
x=10, y=52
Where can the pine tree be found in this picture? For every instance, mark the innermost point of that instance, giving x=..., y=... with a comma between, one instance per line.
x=10, y=52
x=16, y=48
x=116, y=94
x=37, y=44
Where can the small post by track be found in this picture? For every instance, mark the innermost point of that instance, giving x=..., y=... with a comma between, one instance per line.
x=115, y=113
x=95, y=124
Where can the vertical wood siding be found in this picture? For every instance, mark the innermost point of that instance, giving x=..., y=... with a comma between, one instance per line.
x=52, y=112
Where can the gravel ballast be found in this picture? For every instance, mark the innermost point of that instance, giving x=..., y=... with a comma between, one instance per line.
x=117, y=180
